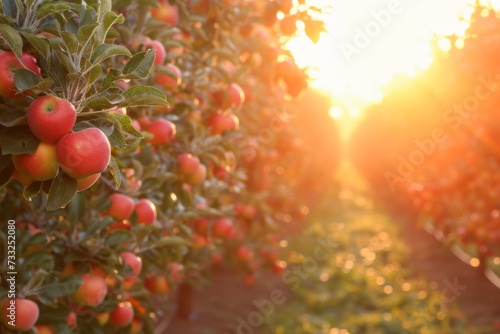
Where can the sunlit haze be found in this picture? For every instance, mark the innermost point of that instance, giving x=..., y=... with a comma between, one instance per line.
x=353, y=68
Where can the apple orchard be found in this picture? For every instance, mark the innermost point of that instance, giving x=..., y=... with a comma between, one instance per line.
x=142, y=143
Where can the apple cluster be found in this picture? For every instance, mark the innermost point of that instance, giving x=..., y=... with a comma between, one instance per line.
x=165, y=133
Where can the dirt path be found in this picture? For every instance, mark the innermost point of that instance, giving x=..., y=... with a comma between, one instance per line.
x=458, y=282
x=219, y=305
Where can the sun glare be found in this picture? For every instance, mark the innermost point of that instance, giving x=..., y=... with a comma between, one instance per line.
x=366, y=44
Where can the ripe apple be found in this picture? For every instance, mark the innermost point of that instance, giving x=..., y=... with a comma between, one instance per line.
x=243, y=253
x=176, y=271
x=83, y=153
x=87, y=182
x=171, y=80
x=163, y=131
x=91, y=292
x=41, y=165
x=122, y=315
x=146, y=211
x=121, y=207
x=50, y=118
x=166, y=12
x=220, y=123
x=22, y=312
x=188, y=164
x=159, y=50
x=199, y=241
x=120, y=225
x=133, y=261
x=198, y=176
x=232, y=97
x=71, y=319
x=157, y=285
x=8, y=65
x=222, y=228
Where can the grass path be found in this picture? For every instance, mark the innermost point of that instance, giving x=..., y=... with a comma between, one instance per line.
x=364, y=284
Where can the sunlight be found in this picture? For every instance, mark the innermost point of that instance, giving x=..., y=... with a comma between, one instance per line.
x=367, y=44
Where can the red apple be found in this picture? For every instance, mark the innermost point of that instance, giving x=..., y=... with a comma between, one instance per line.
x=18, y=313
x=188, y=164
x=198, y=176
x=120, y=225
x=8, y=65
x=87, y=182
x=199, y=241
x=176, y=271
x=83, y=153
x=159, y=50
x=71, y=319
x=41, y=165
x=146, y=211
x=220, y=123
x=121, y=207
x=233, y=97
x=222, y=228
x=122, y=315
x=133, y=261
x=163, y=131
x=170, y=78
x=50, y=118
x=243, y=253
x=91, y=292
x=166, y=12
x=157, y=285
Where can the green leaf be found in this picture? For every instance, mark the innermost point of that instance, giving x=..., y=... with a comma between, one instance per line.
x=12, y=117
x=13, y=38
x=85, y=33
x=32, y=190
x=40, y=44
x=61, y=192
x=62, y=287
x=105, y=102
x=139, y=66
x=105, y=125
x=110, y=78
x=94, y=74
x=142, y=95
x=170, y=241
x=224, y=53
x=131, y=136
x=77, y=208
x=98, y=225
x=27, y=80
x=6, y=169
x=70, y=41
x=18, y=140
x=115, y=172
x=105, y=51
x=40, y=259
x=117, y=237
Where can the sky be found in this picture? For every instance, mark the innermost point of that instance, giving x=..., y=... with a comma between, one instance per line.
x=363, y=50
